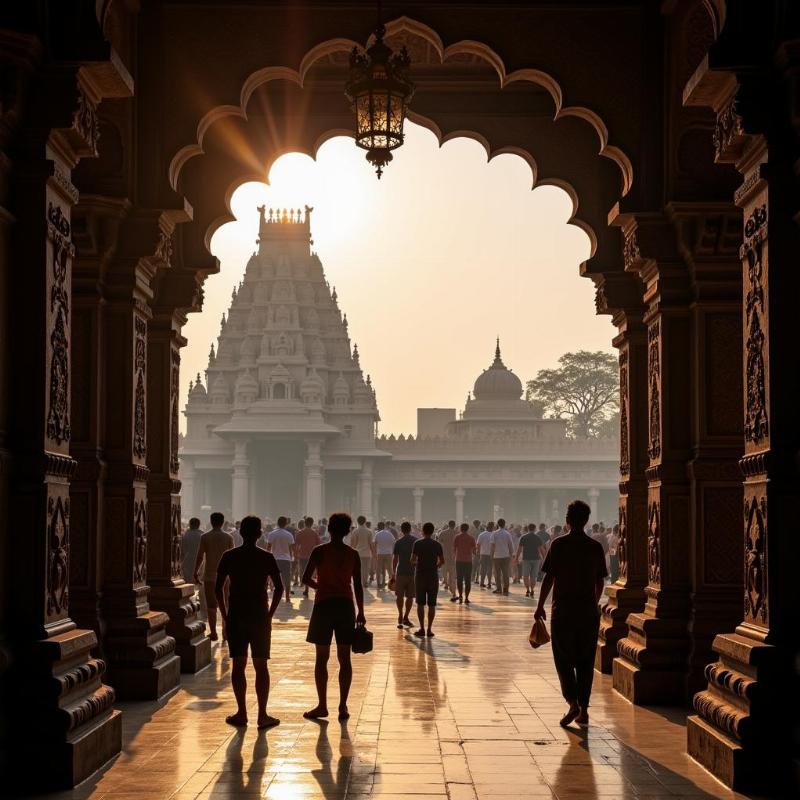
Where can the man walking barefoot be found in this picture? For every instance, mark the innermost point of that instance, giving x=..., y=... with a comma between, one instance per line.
x=427, y=557
x=248, y=618
x=575, y=569
x=338, y=578
x=213, y=544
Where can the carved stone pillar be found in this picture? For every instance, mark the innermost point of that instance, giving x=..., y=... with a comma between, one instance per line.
x=314, y=479
x=460, y=494
x=240, y=481
x=737, y=733
x=53, y=695
x=651, y=663
x=169, y=592
x=365, y=482
x=418, y=495
x=142, y=660
x=626, y=595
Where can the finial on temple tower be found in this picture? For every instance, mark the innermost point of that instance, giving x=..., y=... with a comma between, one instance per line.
x=211, y=354
x=356, y=360
x=498, y=361
x=497, y=350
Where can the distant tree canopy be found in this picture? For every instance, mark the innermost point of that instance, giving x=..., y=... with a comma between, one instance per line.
x=583, y=390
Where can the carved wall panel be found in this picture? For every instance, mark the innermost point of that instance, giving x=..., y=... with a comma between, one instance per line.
x=176, y=541
x=62, y=251
x=722, y=552
x=174, y=422
x=654, y=390
x=723, y=374
x=140, y=541
x=654, y=542
x=57, y=557
x=140, y=381
x=622, y=544
x=755, y=558
x=756, y=419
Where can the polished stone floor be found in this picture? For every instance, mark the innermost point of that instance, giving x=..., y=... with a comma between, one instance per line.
x=469, y=715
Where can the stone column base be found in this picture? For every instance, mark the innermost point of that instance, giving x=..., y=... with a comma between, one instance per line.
x=192, y=645
x=650, y=668
x=740, y=733
x=622, y=601
x=63, y=713
x=141, y=657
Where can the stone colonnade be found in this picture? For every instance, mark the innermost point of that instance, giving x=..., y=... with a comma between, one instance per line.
x=101, y=263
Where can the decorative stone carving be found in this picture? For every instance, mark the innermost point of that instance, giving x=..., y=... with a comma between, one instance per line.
x=624, y=448
x=755, y=560
x=164, y=248
x=756, y=420
x=174, y=424
x=176, y=542
x=140, y=541
x=58, y=232
x=140, y=377
x=727, y=131
x=654, y=543
x=85, y=121
x=622, y=543
x=654, y=394
x=630, y=249
x=57, y=557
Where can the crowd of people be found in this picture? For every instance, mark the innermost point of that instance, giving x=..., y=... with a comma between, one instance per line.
x=233, y=566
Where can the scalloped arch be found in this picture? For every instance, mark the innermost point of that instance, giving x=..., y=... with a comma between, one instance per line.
x=405, y=24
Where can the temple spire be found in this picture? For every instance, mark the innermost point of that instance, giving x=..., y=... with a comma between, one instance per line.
x=498, y=361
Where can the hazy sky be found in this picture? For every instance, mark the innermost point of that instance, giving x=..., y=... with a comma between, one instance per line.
x=431, y=263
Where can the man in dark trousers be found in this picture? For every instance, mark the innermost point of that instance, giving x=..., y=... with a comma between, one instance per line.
x=576, y=566
x=249, y=617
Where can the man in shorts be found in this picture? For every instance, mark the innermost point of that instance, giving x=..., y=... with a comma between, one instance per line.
x=427, y=557
x=248, y=618
x=485, y=551
x=280, y=543
x=529, y=554
x=446, y=538
x=403, y=571
x=213, y=544
x=361, y=539
x=384, y=547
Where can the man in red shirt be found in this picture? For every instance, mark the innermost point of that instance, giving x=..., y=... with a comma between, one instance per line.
x=464, y=550
x=305, y=541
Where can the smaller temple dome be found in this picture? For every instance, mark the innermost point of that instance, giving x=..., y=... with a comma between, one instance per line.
x=198, y=391
x=498, y=382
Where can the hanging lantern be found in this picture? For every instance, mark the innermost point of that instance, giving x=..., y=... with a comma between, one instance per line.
x=379, y=91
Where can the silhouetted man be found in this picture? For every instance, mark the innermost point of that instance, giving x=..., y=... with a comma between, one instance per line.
x=576, y=567
x=427, y=557
x=249, y=617
x=403, y=571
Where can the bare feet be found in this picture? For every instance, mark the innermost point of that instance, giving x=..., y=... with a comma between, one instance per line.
x=407, y=622
x=430, y=633
x=238, y=719
x=316, y=713
x=570, y=716
x=267, y=722
x=583, y=717
x=420, y=633
x=343, y=713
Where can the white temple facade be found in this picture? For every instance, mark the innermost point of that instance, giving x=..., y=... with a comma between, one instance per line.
x=286, y=422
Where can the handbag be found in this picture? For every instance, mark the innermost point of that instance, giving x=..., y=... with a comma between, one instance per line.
x=362, y=640
x=538, y=635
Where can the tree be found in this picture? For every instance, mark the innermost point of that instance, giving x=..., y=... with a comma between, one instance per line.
x=584, y=390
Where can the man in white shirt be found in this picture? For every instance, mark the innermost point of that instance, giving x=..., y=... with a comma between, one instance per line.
x=384, y=549
x=361, y=540
x=280, y=543
x=484, y=544
x=502, y=551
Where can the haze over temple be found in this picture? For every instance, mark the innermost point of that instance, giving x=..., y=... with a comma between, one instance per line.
x=287, y=420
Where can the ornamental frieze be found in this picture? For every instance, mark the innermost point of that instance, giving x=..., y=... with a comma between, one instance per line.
x=140, y=541
x=86, y=123
x=176, y=541
x=654, y=543
x=756, y=419
x=62, y=251
x=622, y=542
x=57, y=556
x=755, y=560
x=654, y=390
x=140, y=398
x=630, y=248
x=624, y=451
x=174, y=426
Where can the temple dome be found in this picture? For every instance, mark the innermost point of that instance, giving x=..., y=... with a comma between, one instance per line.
x=498, y=382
